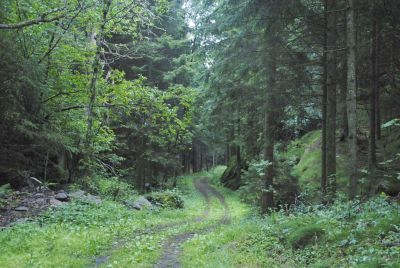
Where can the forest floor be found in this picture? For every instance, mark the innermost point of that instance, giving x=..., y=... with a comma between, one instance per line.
x=214, y=229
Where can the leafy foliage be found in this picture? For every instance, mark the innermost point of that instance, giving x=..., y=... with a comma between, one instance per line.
x=167, y=199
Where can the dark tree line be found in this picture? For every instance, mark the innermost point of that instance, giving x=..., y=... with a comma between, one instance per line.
x=278, y=69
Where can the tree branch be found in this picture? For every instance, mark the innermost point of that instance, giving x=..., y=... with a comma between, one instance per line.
x=42, y=19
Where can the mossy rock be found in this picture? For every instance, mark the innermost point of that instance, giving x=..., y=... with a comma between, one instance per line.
x=304, y=236
x=231, y=178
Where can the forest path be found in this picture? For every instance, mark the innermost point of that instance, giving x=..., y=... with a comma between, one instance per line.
x=172, y=248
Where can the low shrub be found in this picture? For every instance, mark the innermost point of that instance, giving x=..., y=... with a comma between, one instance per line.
x=5, y=190
x=112, y=188
x=303, y=236
x=166, y=199
x=375, y=263
x=322, y=264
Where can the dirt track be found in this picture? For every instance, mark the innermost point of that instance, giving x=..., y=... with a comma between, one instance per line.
x=172, y=248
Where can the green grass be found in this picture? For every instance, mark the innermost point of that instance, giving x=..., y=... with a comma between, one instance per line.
x=347, y=234
x=71, y=236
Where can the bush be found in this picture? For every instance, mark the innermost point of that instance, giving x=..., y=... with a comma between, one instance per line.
x=376, y=263
x=303, y=236
x=166, y=199
x=250, y=191
x=5, y=190
x=111, y=188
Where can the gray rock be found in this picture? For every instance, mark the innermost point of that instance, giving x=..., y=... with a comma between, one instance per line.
x=142, y=202
x=40, y=200
x=21, y=208
x=38, y=195
x=86, y=197
x=55, y=202
x=93, y=199
x=78, y=194
x=33, y=183
x=62, y=197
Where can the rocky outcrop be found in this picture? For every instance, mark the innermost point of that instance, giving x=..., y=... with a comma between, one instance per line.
x=23, y=204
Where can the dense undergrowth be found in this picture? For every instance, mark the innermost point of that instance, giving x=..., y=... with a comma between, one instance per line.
x=347, y=234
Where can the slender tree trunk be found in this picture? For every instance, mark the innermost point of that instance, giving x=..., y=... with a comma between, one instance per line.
x=46, y=164
x=352, y=99
x=377, y=88
x=331, y=100
x=323, y=108
x=372, y=97
x=268, y=195
x=267, y=199
x=378, y=113
x=344, y=128
x=238, y=151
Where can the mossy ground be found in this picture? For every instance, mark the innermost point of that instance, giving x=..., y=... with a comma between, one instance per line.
x=305, y=153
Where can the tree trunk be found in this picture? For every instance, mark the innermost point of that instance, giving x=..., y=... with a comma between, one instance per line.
x=324, y=178
x=95, y=75
x=352, y=100
x=344, y=128
x=267, y=198
x=331, y=100
x=372, y=96
x=377, y=88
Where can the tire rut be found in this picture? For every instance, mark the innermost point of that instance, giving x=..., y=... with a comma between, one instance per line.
x=172, y=248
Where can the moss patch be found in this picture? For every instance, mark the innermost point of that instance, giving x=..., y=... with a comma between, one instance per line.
x=307, y=150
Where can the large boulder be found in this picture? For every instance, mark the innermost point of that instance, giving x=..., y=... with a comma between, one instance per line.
x=141, y=203
x=231, y=178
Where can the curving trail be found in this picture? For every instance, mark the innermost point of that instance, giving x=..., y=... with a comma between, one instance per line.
x=172, y=248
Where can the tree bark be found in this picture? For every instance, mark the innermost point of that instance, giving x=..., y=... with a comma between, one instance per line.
x=324, y=178
x=267, y=198
x=352, y=100
x=95, y=75
x=372, y=96
x=344, y=128
x=377, y=88
x=331, y=100
x=43, y=18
